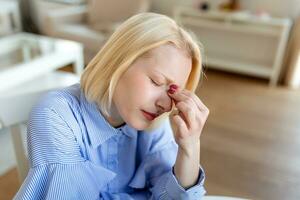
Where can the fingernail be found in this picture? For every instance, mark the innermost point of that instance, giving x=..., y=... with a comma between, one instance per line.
x=171, y=91
x=173, y=86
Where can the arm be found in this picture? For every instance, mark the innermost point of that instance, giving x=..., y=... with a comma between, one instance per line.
x=188, y=161
x=188, y=123
x=57, y=168
x=155, y=172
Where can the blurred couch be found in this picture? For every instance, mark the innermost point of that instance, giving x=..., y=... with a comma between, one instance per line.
x=91, y=24
x=10, y=17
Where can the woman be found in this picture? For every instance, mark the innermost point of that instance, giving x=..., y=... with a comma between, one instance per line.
x=109, y=137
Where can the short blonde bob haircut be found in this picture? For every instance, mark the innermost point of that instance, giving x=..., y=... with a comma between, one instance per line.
x=132, y=39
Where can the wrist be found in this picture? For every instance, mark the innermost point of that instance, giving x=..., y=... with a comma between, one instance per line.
x=186, y=168
x=189, y=151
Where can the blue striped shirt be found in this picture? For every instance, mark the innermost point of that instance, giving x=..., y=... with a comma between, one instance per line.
x=75, y=153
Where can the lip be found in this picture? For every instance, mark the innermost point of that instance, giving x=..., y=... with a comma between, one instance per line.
x=149, y=116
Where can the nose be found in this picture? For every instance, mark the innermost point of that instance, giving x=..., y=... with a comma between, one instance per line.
x=164, y=103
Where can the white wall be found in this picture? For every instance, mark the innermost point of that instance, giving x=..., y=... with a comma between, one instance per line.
x=283, y=8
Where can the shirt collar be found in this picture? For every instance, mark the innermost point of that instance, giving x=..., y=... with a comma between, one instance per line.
x=98, y=128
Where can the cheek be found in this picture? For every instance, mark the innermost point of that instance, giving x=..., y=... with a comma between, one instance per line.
x=144, y=90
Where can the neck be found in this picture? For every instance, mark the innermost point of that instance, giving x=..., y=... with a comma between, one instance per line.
x=115, y=120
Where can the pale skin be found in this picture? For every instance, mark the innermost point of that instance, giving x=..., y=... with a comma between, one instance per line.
x=145, y=86
x=189, y=124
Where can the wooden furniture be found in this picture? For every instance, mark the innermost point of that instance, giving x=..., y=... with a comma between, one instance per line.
x=292, y=78
x=239, y=42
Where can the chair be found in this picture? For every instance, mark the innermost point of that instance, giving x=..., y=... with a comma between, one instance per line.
x=16, y=104
x=93, y=23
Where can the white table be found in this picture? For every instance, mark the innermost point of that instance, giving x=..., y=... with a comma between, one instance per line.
x=25, y=56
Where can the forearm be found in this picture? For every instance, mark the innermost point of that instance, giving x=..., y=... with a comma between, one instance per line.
x=186, y=167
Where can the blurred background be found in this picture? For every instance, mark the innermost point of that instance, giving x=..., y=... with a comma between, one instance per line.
x=250, y=146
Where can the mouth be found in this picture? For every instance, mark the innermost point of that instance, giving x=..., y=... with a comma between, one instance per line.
x=149, y=116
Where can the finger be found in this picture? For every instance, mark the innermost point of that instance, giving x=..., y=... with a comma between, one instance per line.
x=187, y=112
x=181, y=97
x=196, y=99
x=178, y=96
x=180, y=125
x=188, y=96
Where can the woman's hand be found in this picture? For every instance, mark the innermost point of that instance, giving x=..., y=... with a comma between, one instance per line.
x=188, y=122
x=190, y=119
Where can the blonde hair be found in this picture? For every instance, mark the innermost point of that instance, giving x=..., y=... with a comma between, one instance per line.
x=132, y=39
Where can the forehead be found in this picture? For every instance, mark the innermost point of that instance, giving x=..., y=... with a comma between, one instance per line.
x=171, y=62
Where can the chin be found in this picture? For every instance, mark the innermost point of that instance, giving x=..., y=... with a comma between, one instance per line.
x=138, y=123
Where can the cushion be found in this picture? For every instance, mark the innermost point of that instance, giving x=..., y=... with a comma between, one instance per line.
x=106, y=28
x=110, y=11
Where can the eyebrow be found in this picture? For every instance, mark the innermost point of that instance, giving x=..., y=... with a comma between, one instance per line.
x=169, y=80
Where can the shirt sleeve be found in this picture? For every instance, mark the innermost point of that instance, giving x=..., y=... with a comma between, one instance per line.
x=156, y=170
x=57, y=168
x=167, y=187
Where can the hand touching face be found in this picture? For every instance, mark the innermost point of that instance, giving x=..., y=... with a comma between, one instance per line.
x=190, y=119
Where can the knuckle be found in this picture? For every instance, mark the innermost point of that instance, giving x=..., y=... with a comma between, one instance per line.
x=188, y=94
x=207, y=111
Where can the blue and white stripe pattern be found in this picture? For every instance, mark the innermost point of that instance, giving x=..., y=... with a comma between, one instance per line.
x=75, y=153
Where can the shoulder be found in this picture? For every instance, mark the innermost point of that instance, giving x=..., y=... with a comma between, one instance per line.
x=53, y=130
x=60, y=101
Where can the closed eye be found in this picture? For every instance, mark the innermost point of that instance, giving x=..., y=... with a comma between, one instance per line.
x=153, y=82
